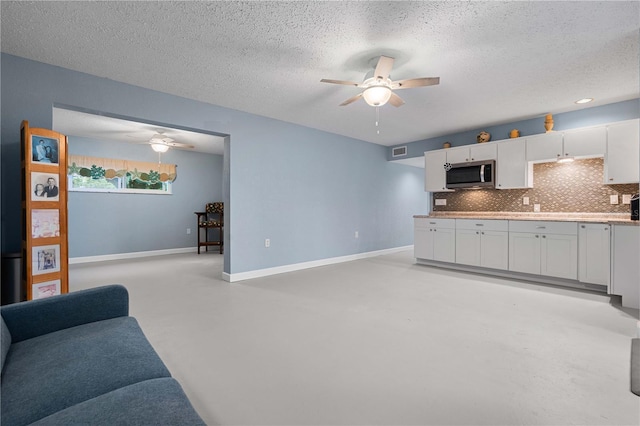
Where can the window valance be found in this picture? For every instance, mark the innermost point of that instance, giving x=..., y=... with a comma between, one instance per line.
x=97, y=173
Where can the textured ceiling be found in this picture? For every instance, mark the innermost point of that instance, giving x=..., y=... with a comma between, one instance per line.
x=497, y=61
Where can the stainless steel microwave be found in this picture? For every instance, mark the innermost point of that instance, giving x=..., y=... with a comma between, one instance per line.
x=476, y=174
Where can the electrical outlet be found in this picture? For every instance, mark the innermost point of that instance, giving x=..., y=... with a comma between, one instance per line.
x=188, y=231
x=441, y=201
x=536, y=208
x=267, y=243
x=356, y=234
x=613, y=199
x=525, y=201
x=626, y=198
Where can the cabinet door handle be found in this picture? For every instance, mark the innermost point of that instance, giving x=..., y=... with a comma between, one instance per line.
x=541, y=227
x=479, y=224
x=432, y=223
x=472, y=159
x=544, y=236
x=477, y=232
x=583, y=226
x=610, y=178
x=482, y=232
x=606, y=229
x=537, y=236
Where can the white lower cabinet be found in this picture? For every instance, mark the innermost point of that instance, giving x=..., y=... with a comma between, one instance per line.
x=434, y=239
x=482, y=243
x=594, y=253
x=590, y=253
x=625, y=268
x=544, y=248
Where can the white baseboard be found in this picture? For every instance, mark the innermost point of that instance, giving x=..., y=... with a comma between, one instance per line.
x=131, y=255
x=241, y=276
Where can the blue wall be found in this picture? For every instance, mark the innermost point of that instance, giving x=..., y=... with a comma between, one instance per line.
x=106, y=223
x=594, y=116
x=306, y=190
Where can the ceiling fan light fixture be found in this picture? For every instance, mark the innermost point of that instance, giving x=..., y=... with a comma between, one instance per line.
x=159, y=147
x=377, y=95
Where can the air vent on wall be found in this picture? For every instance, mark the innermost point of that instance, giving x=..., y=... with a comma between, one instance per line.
x=399, y=151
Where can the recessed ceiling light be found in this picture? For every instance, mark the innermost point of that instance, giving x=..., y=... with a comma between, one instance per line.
x=584, y=101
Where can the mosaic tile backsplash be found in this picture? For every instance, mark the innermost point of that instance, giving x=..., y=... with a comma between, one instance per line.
x=569, y=188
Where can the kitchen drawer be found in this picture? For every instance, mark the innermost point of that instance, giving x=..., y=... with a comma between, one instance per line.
x=426, y=222
x=482, y=224
x=543, y=227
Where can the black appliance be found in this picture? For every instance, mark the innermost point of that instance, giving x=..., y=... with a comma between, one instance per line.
x=475, y=174
x=635, y=214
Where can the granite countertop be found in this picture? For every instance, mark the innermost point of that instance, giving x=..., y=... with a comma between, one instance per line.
x=613, y=218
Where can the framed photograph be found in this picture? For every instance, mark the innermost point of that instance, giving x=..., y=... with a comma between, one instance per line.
x=45, y=259
x=44, y=187
x=46, y=289
x=45, y=223
x=44, y=150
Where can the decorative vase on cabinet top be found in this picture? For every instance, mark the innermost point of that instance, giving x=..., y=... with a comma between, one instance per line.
x=515, y=133
x=483, y=137
x=548, y=122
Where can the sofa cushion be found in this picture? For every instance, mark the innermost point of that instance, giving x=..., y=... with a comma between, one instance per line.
x=5, y=342
x=55, y=371
x=152, y=402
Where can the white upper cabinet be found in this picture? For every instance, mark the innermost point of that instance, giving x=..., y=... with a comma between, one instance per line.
x=581, y=143
x=544, y=147
x=621, y=163
x=435, y=178
x=513, y=171
x=457, y=155
x=466, y=154
x=585, y=143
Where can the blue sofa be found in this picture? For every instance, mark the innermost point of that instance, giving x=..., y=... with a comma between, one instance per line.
x=80, y=359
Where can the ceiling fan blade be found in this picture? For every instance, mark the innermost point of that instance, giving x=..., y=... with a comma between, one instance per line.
x=383, y=69
x=415, y=82
x=395, y=100
x=346, y=83
x=180, y=145
x=352, y=99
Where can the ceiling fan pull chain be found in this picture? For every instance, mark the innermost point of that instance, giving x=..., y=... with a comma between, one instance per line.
x=377, y=119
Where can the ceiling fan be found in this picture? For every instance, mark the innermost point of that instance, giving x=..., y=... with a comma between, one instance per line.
x=378, y=86
x=161, y=143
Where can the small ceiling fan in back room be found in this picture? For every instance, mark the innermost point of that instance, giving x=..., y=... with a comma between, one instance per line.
x=379, y=88
x=161, y=143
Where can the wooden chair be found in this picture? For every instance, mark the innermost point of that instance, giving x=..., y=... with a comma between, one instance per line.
x=211, y=218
